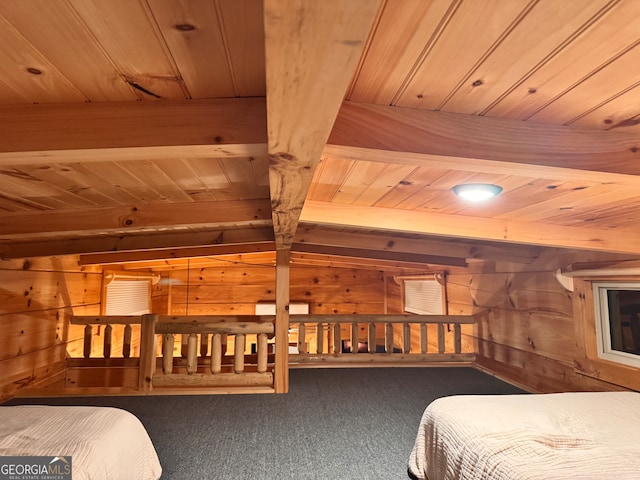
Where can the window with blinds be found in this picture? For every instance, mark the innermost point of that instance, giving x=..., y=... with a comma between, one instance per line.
x=128, y=297
x=423, y=296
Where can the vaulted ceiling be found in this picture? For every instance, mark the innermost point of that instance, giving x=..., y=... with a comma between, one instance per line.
x=156, y=129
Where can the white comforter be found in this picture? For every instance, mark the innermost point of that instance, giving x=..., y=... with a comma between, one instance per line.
x=585, y=435
x=104, y=443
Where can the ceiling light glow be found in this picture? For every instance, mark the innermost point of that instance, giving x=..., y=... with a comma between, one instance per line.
x=477, y=192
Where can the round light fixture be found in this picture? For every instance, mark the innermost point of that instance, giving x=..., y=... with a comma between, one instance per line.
x=477, y=192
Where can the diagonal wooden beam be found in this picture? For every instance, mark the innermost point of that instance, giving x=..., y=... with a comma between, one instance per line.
x=93, y=132
x=459, y=226
x=312, y=49
x=135, y=217
x=470, y=142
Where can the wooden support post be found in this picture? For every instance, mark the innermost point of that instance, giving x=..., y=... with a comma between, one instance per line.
x=281, y=370
x=371, y=339
x=388, y=338
x=354, y=337
x=337, y=341
x=320, y=338
x=147, y=352
x=204, y=344
x=126, y=341
x=108, y=334
x=262, y=348
x=440, y=338
x=168, y=340
x=88, y=336
x=216, y=353
x=457, y=338
x=423, y=338
x=406, y=337
x=302, y=333
x=192, y=353
x=238, y=358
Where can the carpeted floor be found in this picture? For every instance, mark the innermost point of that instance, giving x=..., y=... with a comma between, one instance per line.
x=334, y=424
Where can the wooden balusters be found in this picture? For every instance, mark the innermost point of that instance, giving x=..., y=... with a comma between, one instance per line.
x=88, y=335
x=126, y=341
x=457, y=338
x=406, y=336
x=354, y=337
x=204, y=344
x=441, y=346
x=192, y=353
x=262, y=352
x=302, y=333
x=337, y=342
x=108, y=332
x=424, y=344
x=216, y=353
x=320, y=338
x=388, y=338
x=168, y=340
x=238, y=358
x=371, y=338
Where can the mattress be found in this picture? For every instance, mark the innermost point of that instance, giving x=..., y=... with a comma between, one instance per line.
x=586, y=435
x=104, y=443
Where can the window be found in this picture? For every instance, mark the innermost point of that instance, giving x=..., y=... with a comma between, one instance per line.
x=423, y=295
x=128, y=297
x=617, y=312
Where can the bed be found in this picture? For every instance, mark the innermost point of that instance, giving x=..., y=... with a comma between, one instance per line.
x=104, y=443
x=585, y=435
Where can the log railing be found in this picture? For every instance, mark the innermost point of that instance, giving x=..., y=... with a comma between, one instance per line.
x=365, y=343
x=202, y=360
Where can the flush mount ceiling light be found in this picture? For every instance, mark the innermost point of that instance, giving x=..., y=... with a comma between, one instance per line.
x=477, y=192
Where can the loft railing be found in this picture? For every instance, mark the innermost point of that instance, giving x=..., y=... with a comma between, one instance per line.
x=212, y=351
x=379, y=338
x=201, y=359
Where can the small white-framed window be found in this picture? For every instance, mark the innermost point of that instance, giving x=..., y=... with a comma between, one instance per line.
x=128, y=297
x=424, y=295
x=617, y=313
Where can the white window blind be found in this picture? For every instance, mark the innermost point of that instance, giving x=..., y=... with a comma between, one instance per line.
x=128, y=297
x=423, y=297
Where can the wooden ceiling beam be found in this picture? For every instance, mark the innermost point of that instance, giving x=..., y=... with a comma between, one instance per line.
x=388, y=242
x=105, y=131
x=159, y=245
x=378, y=255
x=491, y=145
x=121, y=219
x=458, y=226
x=312, y=49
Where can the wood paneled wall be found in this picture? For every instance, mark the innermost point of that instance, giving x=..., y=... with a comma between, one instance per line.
x=37, y=298
x=235, y=289
x=526, y=332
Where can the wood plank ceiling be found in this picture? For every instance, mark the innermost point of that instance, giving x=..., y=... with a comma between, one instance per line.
x=179, y=128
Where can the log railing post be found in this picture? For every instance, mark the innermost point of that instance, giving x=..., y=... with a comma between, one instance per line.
x=238, y=359
x=262, y=349
x=337, y=341
x=204, y=344
x=283, y=285
x=388, y=338
x=354, y=337
x=371, y=338
x=406, y=337
x=88, y=336
x=167, y=353
x=108, y=333
x=302, y=333
x=216, y=353
x=192, y=353
x=424, y=345
x=126, y=341
x=441, y=338
x=320, y=338
x=457, y=338
x=147, y=352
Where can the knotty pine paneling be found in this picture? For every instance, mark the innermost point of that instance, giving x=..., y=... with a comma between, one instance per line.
x=38, y=298
x=526, y=325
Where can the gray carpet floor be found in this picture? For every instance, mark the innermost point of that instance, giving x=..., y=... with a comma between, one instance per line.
x=334, y=424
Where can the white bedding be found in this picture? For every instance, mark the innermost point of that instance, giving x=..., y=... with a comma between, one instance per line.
x=104, y=443
x=586, y=435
